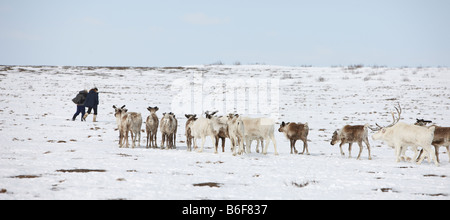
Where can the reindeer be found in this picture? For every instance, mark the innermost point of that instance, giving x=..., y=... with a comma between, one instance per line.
x=151, y=127
x=118, y=114
x=189, y=137
x=259, y=129
x=128, y=122
x=236, y=133
x=168, y=128
x=350, y=134
x=200, y=129
x=294, y=132
x=221, y=128
x=441, y=137
x=400, y=135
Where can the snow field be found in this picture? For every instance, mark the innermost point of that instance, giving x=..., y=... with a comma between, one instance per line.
x=44, y=155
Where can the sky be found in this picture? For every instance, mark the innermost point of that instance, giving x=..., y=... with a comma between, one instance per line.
x=196, y=32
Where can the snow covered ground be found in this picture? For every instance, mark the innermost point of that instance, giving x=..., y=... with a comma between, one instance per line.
x=45, y=155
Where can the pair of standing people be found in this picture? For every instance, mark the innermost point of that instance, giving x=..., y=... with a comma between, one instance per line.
x=85, y=99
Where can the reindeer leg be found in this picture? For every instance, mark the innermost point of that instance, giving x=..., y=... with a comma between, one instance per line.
x=126, y=137
x=434, y=157
x=203, y=144
x=262, y=145
x=241, y=146
x=248, y=143
x=174, y=140
x=168, y=141
x=350, y=150
x=274, y=144
x=360, y=150
x=366, y=141
x=266, y=147
x=151, y=140
x=223, y=145
x=216, y=143
x=436, y=150
x=426, y=153
x=305, y=146
x=148, y=141
x=416, y=152
x=133, y=139
x=120, y=140
x=195, y=143
x=163, y=139
x=139, y=139
x=398, y=151
x=340, y=147
x=257, y=146
x=155, y=144
x=293, y=145
x=188, y=143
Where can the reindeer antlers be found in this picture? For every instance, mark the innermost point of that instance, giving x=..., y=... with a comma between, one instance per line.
x=395, y=121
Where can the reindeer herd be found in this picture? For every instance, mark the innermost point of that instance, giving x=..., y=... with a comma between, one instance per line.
x=241, y=131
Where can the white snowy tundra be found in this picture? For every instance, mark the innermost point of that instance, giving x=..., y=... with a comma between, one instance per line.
x=45, y=155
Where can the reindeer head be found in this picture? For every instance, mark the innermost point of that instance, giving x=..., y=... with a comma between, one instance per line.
x=282, y=126
x=209, y=114
x=232, y=116
x=189, y=116
x=422, y=122
x=153, y=109
x=335, y=137
x=119, y=111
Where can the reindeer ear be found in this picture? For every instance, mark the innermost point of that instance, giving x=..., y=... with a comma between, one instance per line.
x=282, y=123
x=122, y=107
x=114, y=107
x=214, y=112
x=156, y=108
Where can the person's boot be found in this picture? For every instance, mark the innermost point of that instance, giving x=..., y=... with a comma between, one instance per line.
x=95, y=118
x=74, y=117
x=85, y=116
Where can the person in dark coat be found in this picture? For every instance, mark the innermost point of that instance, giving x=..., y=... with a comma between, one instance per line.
x=92, y=103
x=79, y=101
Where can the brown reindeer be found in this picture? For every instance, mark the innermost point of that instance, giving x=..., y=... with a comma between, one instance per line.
x=220, y=123
x=168, y=128
x=350, y=134
x=294, y=132
x=189, y=137
x=151, y=127
x=441, y=138
x=128, y=122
